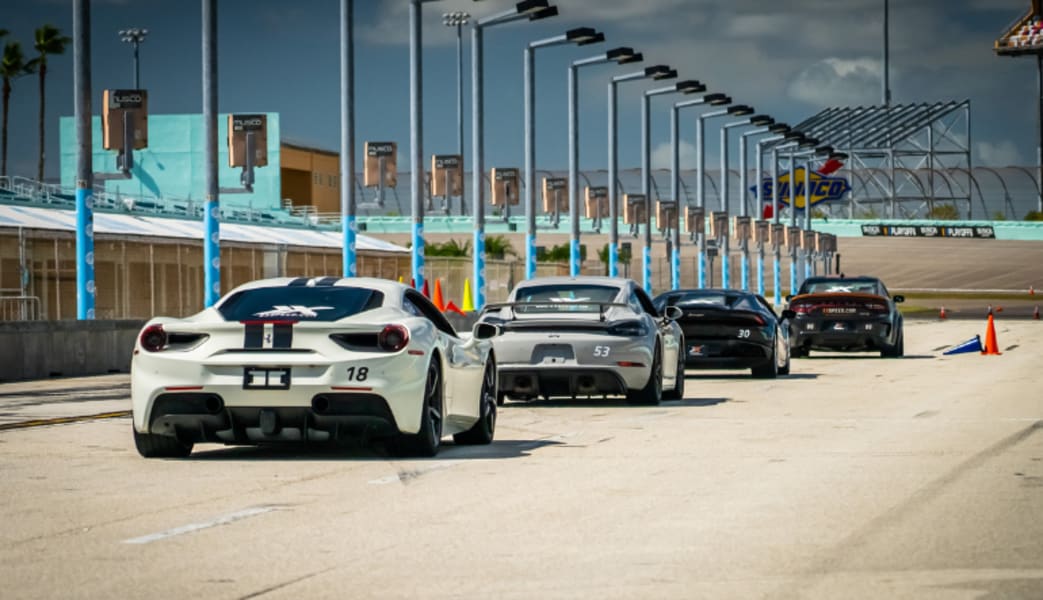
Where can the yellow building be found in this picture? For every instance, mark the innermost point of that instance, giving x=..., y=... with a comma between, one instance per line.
x=310, y=177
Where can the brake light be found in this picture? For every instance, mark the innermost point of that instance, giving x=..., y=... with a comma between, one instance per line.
x=393, y=338
x=801, y=309
x=153, y=338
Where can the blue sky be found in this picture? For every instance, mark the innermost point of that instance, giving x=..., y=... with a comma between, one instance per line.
x=788, y=58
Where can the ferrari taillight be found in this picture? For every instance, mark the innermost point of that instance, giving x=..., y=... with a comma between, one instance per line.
x=153, y=338
x=393, y=338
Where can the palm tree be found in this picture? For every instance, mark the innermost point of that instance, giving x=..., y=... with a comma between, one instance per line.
x=12, y=67
x=48, y=40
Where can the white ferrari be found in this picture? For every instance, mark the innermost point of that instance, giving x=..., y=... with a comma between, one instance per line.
x=313, y=359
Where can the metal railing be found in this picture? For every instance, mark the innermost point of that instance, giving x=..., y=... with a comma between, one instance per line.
x=20, y=308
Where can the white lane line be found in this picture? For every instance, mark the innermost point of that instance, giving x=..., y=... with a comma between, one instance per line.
x=192, y=527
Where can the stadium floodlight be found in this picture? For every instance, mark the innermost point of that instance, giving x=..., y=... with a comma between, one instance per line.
x=134, y=36
x=656, y=73
x=578, y=35
x=761, y=120
x=777, y=128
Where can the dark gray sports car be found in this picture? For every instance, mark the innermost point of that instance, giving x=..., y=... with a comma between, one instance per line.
x=731, y=329
x=847, y=314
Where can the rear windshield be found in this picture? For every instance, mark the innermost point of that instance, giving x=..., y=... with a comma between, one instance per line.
x=841, y=286
x=706, y=299
x=565, y=297
x=300, y=303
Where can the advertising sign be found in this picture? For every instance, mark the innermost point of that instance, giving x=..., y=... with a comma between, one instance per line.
x=505, y=186
x=555, y=190
x=115, y=104
x=930, y=231
x=695, y=220
x=596, y=201
x=823, y=189
x=443, y=167
x=239, y=126
x=634, y=213
x=378, y=154
x=664, y=213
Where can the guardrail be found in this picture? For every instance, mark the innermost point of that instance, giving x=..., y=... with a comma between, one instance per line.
x=20, y=308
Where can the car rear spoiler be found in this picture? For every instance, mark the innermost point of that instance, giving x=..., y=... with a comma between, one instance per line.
x=602, y=307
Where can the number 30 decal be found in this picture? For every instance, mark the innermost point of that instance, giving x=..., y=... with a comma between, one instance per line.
x=744, y=333
x=601, y=351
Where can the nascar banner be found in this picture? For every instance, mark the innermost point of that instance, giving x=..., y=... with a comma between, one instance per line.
x=823, y=188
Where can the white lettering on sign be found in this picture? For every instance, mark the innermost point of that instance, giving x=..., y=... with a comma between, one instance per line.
x=961, y=232
x=380, y=149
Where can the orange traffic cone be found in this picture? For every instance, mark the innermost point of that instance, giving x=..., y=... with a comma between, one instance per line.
x=990, y=338
x=452, y=307
x=941, y=313
x=438, y=300
x=427, y=294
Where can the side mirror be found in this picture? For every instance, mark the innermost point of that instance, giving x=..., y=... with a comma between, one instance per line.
x=673, y=313
x=898, y=298
x=788, y=298
x=485, y=331
x=789, y=314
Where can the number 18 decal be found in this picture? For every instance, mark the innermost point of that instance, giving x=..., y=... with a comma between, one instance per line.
x=601, y=351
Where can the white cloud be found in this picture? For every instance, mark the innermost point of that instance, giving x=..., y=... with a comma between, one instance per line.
x=836, y=81
x=1001, y=154
x=661, y=156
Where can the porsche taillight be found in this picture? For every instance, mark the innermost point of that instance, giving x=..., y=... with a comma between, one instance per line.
x=393, y=338
x=153, y=338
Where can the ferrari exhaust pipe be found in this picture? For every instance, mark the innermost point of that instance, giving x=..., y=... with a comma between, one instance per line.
x=320, y=404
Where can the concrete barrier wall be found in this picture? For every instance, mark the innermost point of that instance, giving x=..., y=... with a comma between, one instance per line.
x=40, y=349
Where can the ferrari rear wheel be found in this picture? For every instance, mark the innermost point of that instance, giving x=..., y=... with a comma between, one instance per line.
x=160, y=446
x=784, y=369
x=677, y=393
x=428, y=439
x=483, y=429
x=652, y=393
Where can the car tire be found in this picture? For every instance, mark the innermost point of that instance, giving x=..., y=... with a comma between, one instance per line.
x=677, y=393
x=160, y=446
x=784, y=369
x=769, y=370
x=485, y=427
x=427, y=441
x=652, y=393
x=896, y=351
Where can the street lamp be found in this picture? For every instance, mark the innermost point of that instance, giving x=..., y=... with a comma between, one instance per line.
x=458, y=19
x=803, y=143
x=134, y=36
x=792, y=137
x=656, y=72
x=580, y=36
x=772, y=128
x=682, y=87
x=527, y=9
x=821, y=152
x=737, y=110
x=756, y=121
x=620, y=56
x=675, y=182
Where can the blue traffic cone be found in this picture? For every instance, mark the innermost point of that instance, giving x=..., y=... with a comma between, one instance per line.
x=971, y=345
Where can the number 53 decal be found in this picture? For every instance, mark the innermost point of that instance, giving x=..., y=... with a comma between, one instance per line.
x=601, y=351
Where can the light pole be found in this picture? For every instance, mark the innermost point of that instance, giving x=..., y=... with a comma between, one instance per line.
x=737, y=110
x=528, y=9
x=822, y=152
x=804, y=144
x=723, y=244
x=458, y=19
x=349, y=228
x=621, y=55
x=773, y=128
x=791, y=137
x=656, y=72
x=134, y=36
x=675, y=182
x=683, y=87
x=580, y=36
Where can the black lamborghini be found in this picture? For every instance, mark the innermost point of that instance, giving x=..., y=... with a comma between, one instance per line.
x=846, y=314
x=731, y=329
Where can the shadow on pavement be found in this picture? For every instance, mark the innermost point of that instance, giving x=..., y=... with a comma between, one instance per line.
x=374, y=451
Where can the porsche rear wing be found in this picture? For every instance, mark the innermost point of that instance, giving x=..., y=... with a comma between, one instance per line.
x=554, y=308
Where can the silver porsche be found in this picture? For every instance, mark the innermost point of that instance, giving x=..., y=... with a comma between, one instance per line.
x=577, y=337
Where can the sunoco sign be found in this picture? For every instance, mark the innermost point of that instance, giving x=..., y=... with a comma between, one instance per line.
x=823, y=189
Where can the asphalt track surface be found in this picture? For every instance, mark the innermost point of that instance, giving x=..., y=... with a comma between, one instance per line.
x=856, y=477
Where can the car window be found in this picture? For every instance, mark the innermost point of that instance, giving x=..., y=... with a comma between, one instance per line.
x=634, y=303
x=565, y=297
x=646, y=303
x=428, y=310
x=842, y=286
x=299, y=303
x=409, y=307
x=764, y=304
